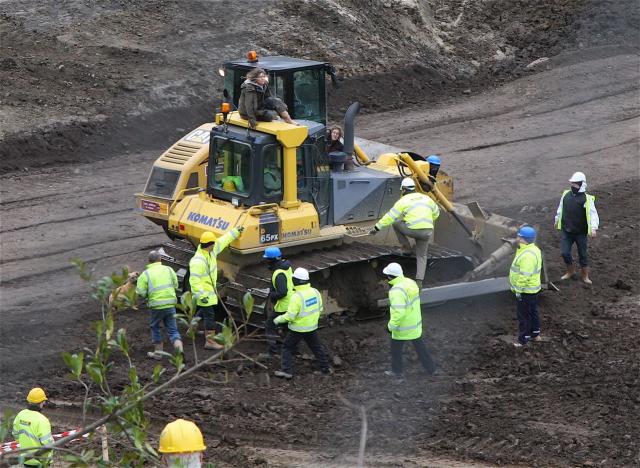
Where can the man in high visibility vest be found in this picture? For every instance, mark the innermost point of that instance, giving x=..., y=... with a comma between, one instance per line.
x=577, y=218
x=412, y=216
x=524, y=277
x=280, y=294
x=31, y=428
x=158, y=283
x=203, y=278
x=181, y=445
x=405, y=321
x=303, y=313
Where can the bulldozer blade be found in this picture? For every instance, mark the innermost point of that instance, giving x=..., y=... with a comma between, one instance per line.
x=449, y=292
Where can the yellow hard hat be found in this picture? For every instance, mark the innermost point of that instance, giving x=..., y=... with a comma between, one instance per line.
x=181, y=436
x=36, y=395
x=229, y=186
x=207, y=237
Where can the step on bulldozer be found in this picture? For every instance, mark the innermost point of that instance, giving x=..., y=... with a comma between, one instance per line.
x=278, y=182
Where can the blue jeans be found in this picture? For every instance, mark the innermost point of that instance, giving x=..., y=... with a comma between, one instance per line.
x=568, y=239
x=168, y=318
x=528, y=319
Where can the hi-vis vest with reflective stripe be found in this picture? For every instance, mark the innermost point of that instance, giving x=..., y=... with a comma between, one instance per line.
x=158, y=283
x=405, y=322
x=304, y=309
x=588, y=206
x=283, y=304
x=203, y=269
x=32, y=429
x=524, y=275
x=417, y=210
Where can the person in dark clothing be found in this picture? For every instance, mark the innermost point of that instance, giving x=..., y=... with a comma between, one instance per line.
x=333, y=140
x=257, y=103
x=280, y=293
x=577, y=218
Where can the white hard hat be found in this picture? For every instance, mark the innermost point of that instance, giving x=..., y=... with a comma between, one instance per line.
x=578, y=177
x=302, y=274
x=393, y=269
x=408, y=182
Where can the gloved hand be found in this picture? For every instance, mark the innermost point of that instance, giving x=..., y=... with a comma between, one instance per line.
x=205, y=300
x=279, y=319
x=374, y=231
x=519, y=296
x=240, y=229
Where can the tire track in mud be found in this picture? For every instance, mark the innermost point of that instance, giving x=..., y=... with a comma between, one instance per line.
x=97, y=190
x=65, y=220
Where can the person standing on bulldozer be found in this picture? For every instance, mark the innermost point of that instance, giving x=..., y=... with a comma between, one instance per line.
x=413, y=216
x=280, y=294
x=158, y=283
x=256, y=102
x=577, y=218
x=203, y=278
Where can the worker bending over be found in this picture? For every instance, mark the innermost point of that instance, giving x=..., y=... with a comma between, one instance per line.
x=577, y=218
x=280, y=294
x=32, y=429
x=158, y=283
x=524, y=277
x=405, y=321
x=181, y=445
x=302, y=316
x=412, y=216
x=203, y=278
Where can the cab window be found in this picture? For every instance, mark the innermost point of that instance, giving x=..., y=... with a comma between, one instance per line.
x=232, y=168
x=276, y=85
x=162, y=182
x=306, y=94
x=272, y=171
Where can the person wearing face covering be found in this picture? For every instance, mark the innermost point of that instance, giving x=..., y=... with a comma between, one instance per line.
x=577, y=219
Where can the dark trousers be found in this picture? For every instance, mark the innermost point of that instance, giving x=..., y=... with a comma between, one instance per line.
x=212, y=316
x=290, y=344
x=273, y=332
x=423, y=354
x=568, y=239
x=528, y=320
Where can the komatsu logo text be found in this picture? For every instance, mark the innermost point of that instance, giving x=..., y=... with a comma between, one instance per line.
x=217, y=223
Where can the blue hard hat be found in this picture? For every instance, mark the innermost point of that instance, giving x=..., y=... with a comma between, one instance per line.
x=272, y=252
x=527, y=232
x=433, y=159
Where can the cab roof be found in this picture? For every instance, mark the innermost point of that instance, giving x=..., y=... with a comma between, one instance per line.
x=275, y=62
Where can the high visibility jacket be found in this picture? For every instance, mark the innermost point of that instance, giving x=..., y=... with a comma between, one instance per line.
x=158, y=283
x=282, y=304
x=405, y=322
x=593, y=220
x=417, y=210
x=524, y=275
x=203, y=270
x=32, y=429
x=304, y=309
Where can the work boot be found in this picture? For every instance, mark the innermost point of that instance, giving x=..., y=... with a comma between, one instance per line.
x=283, y=375
x=399, y=378
x=177, y=345
x=210, y=342
x=570, y=274
x=537, y=338
x=156, y=353
x=584, y=274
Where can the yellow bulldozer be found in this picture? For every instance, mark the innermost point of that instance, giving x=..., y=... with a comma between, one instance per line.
x=279, y=183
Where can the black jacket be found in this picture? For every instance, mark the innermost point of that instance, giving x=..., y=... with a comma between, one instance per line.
x=280, y=289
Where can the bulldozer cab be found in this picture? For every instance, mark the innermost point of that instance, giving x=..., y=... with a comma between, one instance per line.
x=299, y=83
x=247, y=168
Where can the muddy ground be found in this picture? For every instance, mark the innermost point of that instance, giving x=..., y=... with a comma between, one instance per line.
x=511, y=145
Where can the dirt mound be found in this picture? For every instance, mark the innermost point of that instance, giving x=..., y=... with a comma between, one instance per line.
x=93, y=80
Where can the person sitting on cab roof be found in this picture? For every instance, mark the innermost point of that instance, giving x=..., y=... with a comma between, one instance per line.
x=256, y=102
